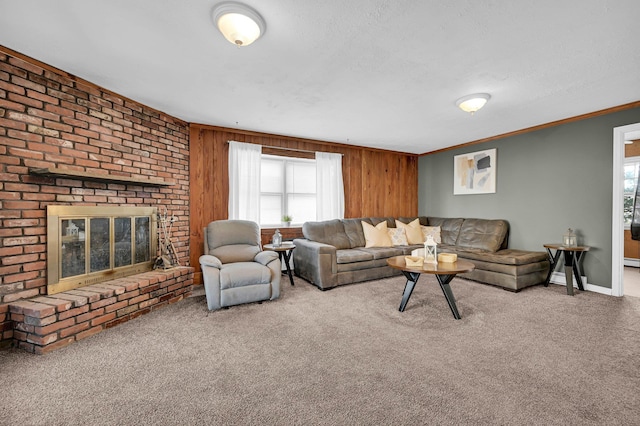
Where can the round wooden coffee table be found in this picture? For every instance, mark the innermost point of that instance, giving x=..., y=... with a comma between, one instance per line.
x=444, y=272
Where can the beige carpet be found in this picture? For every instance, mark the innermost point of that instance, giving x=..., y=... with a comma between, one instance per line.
x=346, y=357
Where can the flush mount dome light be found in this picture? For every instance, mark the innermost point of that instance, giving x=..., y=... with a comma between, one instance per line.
x=238, y=23
x=472, y=103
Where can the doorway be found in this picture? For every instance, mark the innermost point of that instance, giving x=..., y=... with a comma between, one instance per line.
x=620, y=135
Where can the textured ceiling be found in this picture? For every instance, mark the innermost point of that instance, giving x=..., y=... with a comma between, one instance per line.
x=378, y=73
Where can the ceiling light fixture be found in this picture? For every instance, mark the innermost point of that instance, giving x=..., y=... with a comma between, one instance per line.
x=238, y=23
x=472, y=103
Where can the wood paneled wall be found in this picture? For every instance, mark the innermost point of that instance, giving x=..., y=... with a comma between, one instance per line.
x=288, y=234
x=376, y=182
x=631, y=247
x=632, y=149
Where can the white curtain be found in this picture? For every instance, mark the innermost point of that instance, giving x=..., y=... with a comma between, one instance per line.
x=244, y=181
x=329, y=186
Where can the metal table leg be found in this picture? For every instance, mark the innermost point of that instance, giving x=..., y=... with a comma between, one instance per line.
x=553, y=260
x=568, y=270
x=576, y=269
x=285, y=256
x=444, y=281
x=412, y=279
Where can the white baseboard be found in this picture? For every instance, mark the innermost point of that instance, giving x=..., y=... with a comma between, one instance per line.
x=559, y=278
x=632, y=262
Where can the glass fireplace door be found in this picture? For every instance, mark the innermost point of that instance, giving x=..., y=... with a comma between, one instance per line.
x=86, y=245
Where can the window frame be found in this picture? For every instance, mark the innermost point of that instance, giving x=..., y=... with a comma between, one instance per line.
x=284, y=160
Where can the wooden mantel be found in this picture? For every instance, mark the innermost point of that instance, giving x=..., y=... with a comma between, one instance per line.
x=78, y=174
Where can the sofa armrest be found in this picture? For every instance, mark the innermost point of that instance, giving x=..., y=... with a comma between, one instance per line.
x=275, y=267
x=315, y=262
x=265, y=257
x=209, y=260
x=271, y=260
x=211, y=279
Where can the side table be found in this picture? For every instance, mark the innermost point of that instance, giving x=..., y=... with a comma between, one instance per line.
x=284, y=253
x=572, y=257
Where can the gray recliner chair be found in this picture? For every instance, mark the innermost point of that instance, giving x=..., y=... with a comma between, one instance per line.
x=235, y=270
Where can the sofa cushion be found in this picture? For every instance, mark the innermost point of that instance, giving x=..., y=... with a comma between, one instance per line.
x=398, y=236
x=482, y=234
x=414, y=233
x=353, y=229
x=505, y=257
x=233, y=240
x=376, y=236
x=449, y=228
x=361, y=266
x=242, y=274
x=510, y=269
x=383, y=252
x=236, y=253
x=352, y=256
x=328, y=232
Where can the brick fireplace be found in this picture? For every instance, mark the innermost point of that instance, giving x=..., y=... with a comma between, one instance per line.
x=65, y=141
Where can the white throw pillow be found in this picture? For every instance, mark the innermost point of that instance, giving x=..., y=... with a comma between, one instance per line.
x=398, y=236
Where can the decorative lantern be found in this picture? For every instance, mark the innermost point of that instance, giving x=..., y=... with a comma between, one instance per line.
x=569, y=239
x=72, y=229
x=430, y=251
x=277, y=239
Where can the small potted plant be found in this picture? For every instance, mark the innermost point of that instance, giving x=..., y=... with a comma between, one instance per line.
x=287, y=219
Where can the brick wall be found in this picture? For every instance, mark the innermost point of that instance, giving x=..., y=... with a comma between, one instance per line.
x=51, y=119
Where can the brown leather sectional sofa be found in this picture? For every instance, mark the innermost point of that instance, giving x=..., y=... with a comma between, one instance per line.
x=333, y=252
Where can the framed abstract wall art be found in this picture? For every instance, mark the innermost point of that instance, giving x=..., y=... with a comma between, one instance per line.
x=475, y=173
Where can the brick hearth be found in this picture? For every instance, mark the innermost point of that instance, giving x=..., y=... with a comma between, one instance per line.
x=45, y=323
x=51, y=120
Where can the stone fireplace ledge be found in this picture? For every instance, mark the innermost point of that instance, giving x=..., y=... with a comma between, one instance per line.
x=45, y=323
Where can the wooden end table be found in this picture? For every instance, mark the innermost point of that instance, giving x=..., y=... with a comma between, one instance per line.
x=284, y=253
x=572, y=257
x=444, y=272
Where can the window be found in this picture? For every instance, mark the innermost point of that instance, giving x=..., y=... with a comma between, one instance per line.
x=631, y=170
x=287, y=187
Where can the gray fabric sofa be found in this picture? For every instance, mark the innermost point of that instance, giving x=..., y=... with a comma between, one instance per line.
x=333, y=252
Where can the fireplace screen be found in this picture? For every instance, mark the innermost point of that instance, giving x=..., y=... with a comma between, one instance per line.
x=86, y=245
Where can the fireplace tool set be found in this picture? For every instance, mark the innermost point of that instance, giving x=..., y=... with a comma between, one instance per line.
x=168, y=255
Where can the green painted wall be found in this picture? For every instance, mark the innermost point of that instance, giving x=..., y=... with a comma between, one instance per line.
x=547, y=181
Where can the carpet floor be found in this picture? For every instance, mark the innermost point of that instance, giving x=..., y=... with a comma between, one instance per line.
x=346, y=357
